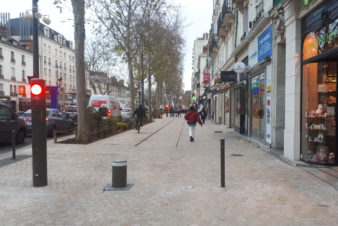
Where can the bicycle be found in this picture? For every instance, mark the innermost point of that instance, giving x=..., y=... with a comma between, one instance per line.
x=138, y=124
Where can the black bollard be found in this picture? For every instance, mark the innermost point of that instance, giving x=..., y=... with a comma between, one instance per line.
x=222, y=164
x=13, y=145
x=119, y=168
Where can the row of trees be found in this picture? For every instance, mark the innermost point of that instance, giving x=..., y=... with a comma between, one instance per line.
x=145, y=34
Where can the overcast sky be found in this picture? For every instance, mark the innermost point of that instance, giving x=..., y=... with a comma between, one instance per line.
x=196, y=15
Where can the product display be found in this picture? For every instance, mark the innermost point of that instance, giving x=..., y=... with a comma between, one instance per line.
x=320, y=118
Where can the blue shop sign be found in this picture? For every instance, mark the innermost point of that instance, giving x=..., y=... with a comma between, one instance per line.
x=265, y=44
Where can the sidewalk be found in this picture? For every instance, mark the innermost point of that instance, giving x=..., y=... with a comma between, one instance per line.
x=175, y=183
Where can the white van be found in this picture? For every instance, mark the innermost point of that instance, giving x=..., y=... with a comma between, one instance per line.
x=110, y=102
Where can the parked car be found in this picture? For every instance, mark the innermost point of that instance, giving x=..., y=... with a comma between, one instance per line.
x=9, y=121
x=110, y=102
x=72, y=112
x=55, y=120
x=126, y=113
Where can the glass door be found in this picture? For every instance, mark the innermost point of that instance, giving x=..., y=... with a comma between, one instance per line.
x=258, y=123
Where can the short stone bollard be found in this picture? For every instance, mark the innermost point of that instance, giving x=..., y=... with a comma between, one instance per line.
x=119, y=173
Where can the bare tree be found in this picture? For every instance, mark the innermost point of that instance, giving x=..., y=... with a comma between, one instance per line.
x=118, y=20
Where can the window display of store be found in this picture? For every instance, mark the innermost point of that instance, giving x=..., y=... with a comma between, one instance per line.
x=319, y=86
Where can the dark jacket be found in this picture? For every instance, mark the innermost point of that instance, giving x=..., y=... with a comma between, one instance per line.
x=139, y=112
x=192, y=117
x=203, y=113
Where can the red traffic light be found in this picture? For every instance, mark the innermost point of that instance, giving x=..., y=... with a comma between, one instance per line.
x=36, y=89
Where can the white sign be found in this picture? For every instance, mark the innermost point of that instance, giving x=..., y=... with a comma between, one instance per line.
x=239, y=67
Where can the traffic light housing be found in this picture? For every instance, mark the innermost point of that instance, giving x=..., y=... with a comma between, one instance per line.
x=39, y=137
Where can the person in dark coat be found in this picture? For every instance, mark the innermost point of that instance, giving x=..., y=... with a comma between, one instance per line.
x=192, y=118
x=140, y=113
x=203, y=114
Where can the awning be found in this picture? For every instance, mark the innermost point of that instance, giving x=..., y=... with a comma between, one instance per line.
x=329, y=55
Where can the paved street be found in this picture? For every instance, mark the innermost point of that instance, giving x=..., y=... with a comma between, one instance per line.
x=175, y=183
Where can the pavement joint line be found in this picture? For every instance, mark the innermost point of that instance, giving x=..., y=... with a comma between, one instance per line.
x=153, y=133
x=178, y=140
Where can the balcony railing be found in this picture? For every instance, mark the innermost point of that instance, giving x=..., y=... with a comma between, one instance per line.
x=213, y=45
x=13, y=60
x=225, y=19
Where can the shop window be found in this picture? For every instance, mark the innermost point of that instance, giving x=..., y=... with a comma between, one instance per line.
x=319, y=112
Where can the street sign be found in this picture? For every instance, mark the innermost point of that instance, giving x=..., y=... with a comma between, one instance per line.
x=239, y=67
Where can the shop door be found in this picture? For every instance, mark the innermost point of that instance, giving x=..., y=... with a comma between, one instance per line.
x=258, y=123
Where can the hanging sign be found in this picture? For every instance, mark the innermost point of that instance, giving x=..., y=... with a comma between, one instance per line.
x=228, y=76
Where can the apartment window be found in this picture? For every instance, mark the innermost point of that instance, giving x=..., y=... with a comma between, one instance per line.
x=49, y=49
x=11, y=90
x=49, y=72
x=23, y=61
x=12, y=57
x=259, y=6
x=1, y=88
x=1, y=56
x=70, y=58
x=45, y=59
x=46, y=31
x=56, y=63
x=45, y=71
x=1, y=75
x=23, y=76
x=60, y=53
x=44, y=47
x=49, y=61
x=15, y=91
x=245, y=20
x=64, y=55
x=56, y=52
x=13, y=73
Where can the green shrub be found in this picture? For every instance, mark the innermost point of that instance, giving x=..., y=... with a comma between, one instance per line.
x=109, y=122
x=122, y=125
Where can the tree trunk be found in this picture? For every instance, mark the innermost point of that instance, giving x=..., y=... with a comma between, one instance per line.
x=131, y=79
x=149, y=93
x=79, y=37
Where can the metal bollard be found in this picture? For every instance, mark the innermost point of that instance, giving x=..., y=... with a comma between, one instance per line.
x=119, y=173
x=222, y=164
x=13, y=145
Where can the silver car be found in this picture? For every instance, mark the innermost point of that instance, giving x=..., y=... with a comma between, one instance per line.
x=126, y=114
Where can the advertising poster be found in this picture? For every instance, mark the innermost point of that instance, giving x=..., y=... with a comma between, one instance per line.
x=268, y=108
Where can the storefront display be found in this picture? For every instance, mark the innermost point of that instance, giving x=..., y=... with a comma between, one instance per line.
x=319, y=92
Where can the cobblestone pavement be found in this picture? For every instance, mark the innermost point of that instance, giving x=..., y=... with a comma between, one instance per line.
x=175, y=183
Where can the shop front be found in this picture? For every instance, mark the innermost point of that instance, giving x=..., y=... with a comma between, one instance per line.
x=260, y=80
x=319, y=85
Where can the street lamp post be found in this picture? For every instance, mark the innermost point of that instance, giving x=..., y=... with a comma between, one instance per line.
x=35, y=39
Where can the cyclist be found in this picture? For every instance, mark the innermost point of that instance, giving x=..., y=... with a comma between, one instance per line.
x=140, y=114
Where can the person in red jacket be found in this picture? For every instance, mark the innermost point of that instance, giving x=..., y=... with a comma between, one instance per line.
x=192, y=118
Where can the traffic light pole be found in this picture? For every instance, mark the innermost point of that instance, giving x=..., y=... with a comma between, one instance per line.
x=35, y=40
x=39, y=136
x=38, y=104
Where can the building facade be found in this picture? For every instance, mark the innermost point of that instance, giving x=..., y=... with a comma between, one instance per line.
x=15, y=65
x=273, y=67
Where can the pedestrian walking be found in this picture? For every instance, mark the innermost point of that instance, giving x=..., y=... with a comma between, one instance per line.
x=203, y=114
x=192, y=118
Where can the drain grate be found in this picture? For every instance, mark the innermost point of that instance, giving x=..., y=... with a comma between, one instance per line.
x=237, y=155
x=217, y=131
